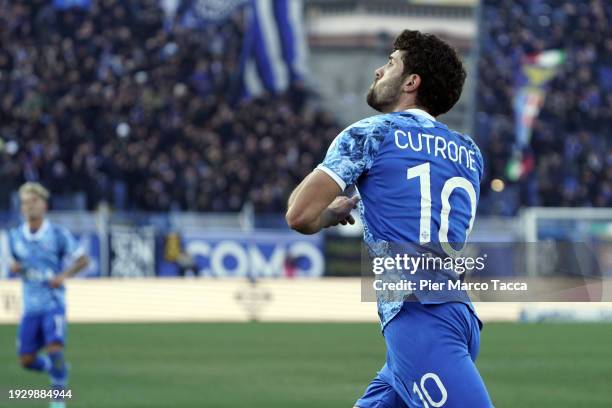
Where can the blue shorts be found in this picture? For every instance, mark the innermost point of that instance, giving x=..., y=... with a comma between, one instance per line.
x=39, y=330
x=431, y=351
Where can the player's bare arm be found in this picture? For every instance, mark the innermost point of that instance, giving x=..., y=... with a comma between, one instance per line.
x=77, y=266
x=315, y=204
x=15, y=267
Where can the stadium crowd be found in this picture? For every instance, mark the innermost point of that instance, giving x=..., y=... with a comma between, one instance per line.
x=114, y=103
x=568, y=161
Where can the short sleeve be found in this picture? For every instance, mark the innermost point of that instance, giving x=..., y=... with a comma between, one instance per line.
x=69, y=245
x=353, y=151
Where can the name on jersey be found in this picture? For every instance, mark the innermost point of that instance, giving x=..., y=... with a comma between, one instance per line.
x=436, y=146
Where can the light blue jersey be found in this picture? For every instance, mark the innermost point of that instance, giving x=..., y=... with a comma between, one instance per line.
x=42, y=255
x=419, y=184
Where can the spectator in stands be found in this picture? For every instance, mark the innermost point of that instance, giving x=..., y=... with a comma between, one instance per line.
x=108, y=103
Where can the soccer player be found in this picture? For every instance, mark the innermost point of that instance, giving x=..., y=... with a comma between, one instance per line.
x=39, y=249
x=418, y=184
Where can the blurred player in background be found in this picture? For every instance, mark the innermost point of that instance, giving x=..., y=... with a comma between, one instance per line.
x=411, y=171
x=39, y=249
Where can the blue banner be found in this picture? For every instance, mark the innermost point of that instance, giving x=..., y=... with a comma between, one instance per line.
x=256, y=254
x=139, y=252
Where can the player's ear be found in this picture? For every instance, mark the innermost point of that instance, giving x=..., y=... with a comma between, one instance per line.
x=411, y=83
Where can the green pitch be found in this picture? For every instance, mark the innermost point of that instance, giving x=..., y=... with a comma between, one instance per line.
x=266, y=365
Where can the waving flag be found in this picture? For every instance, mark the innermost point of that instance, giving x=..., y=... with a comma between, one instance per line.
x=274, y=51
x=536, y=72
x=274, y=44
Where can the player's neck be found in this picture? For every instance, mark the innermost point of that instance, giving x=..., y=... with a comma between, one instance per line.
x=34, y=224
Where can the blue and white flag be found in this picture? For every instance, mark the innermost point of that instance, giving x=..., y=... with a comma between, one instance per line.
x=274, y=51
x=274, y=44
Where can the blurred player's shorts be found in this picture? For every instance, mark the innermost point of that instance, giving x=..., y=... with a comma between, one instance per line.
x=40, y=329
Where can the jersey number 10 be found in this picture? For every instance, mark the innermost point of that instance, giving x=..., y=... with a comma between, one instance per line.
x=422, y=172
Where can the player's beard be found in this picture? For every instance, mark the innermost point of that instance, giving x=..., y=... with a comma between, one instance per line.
x=383, y=96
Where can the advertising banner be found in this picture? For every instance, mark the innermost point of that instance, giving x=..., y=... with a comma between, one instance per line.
x=255, y=254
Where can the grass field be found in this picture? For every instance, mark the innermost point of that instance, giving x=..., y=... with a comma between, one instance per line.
x=267, y=365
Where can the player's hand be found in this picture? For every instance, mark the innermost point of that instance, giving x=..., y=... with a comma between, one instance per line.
x=57, y=281
x=15, y=267
x=339, y=211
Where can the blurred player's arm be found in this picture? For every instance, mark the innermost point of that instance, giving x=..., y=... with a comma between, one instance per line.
x=315, y=204
x=77, y=266
x=78, y=259
x=80, y=263
x=15, y=267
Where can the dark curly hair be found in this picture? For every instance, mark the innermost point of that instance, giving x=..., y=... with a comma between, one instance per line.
x=437, y=63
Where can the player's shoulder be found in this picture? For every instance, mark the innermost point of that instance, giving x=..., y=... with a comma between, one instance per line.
x=415, y=118
x=375, y=122
x=388, y=122
x=471, y=145
x=375, y=127
x=57, y=230
x=469, y=142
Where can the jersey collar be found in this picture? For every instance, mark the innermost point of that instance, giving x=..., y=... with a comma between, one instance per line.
x=420, y=112
x=38, y=234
